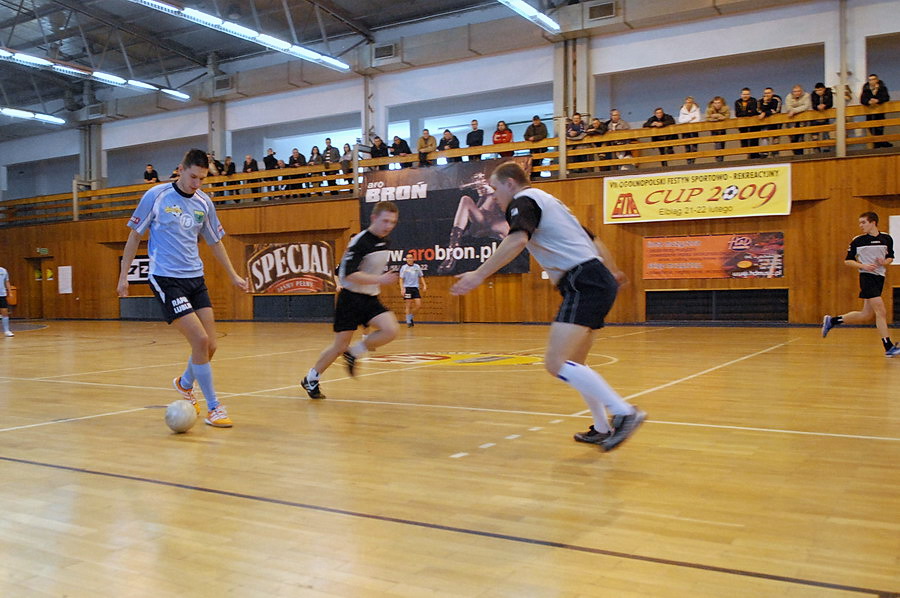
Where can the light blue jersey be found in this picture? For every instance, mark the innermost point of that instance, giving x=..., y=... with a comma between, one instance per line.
x=4, y=277
x=176, y=222
x=410, y=275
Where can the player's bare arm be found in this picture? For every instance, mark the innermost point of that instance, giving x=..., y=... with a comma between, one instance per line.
x=506, y=252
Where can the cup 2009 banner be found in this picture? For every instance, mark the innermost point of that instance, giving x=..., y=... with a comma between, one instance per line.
x=698, y=194
x=449, y=219
x=751, y=255
x=288, y=268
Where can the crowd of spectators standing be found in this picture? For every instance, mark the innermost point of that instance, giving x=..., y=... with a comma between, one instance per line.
x=874, y=92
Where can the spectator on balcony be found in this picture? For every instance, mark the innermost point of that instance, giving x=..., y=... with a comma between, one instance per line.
x=271, y=163
x=744, y=106
x=593, y=132
x=347, y=164
x=331, y=157
x=503, y=135
x=575, y=131
x=822, y=100
x=228, y=169
x=660, y=120
x=689, y=113
x=536, y=131
x=769, y=104
x=875, y=93
x=150, y=174
x=315, y=159
x=425, y=145
x=401, y=148
x=615, y=123
x=379, y=150
x=296, y=161
x=798, y=101
x=449, y=141
x=475, y=138
x=250, y=165
x=718, y=111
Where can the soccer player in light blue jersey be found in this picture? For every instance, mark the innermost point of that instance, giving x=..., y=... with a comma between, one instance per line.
x=177, y=214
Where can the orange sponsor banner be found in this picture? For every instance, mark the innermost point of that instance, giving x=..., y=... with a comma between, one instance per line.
x=749, y=255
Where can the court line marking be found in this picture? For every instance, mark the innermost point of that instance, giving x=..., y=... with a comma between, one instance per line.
x=469, y=531
x=698, y=374
x=72, y=419
x=177, y=363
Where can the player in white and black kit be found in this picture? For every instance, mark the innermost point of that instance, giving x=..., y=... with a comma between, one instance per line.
x=411, y=278
x=588, y=279
x=869, y=253
x=177, y=213
x=4, y=301
x=361, y=275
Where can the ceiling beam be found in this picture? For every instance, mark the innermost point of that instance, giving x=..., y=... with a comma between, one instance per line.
x=344, y=18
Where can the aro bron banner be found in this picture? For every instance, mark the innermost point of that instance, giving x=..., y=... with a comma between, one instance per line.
x=698, y=194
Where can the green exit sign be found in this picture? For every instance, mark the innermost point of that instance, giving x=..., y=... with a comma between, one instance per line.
x=42, y=251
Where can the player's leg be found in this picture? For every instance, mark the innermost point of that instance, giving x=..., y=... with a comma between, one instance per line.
x=863, y=316
x=386, y=329
x=193, y=329
x=338, y=346
x=408, y=307
x=4, y=316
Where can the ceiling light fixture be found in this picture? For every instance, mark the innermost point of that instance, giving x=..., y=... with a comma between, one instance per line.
x=81, y=72
x=239, y=31
x=29, y=115
x=532, y=14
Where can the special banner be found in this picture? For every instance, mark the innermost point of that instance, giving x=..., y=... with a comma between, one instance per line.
x=449, y=219
x=700, y=194
x=289, y=268
x=750, y=255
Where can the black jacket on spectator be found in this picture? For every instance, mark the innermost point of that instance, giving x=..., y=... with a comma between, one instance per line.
x=751, y=109
x=270, y=161
x=771, y=107
x=881, y=95
x=475, y=138
x=666, y=120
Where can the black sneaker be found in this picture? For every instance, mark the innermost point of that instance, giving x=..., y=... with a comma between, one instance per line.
x=626, y=428
x=351, y=362
x=592, y=436
x=312, y=388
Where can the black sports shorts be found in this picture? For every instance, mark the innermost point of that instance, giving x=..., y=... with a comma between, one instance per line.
x=411, y=293
x=179, y=296
x=589, y=291
x=4, y=303
x=355, y=309
x=870, y=285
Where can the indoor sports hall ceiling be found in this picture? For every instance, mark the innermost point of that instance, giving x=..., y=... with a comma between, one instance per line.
x=137, y=42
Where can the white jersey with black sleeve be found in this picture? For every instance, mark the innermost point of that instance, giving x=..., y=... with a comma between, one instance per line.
x=555, y=237
x=872, y=249
x=365, y=253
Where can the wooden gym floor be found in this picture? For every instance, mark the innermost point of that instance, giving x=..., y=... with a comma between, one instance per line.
x=769, y=467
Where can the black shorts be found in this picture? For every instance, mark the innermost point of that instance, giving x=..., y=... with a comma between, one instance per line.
x=411, y=293
x=870, y=285
x=3, y=303
x=179, y=296
x=589, y=291
x=355, y=309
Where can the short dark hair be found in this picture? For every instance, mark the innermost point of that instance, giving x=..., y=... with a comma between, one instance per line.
x=385, y=206
x=745, y=89
x=510, y=170
x=870, y=216
x=820, y=85
x=195, y=157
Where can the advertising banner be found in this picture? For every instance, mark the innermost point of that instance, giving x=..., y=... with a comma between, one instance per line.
x=291, y=268
x=698, y=194
x=750, y=255
x=449, y=219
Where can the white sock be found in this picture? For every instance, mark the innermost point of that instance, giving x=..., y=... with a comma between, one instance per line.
x=5, y=323
x=596, y=392
x=312, y=375
x=359, y=349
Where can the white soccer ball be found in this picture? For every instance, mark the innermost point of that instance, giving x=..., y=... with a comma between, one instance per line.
x=180, y=416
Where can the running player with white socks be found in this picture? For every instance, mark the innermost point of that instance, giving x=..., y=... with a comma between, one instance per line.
x=586, y=276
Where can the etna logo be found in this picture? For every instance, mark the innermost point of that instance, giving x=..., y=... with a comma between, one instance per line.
x=625, y=207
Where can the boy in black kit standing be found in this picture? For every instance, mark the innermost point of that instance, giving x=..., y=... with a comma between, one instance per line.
x=870, y=253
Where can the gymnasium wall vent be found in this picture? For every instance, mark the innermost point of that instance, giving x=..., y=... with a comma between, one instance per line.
x=597, y=11
x=386, y=53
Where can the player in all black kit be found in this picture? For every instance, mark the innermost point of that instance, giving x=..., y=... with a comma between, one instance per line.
x=587, y=278
x=870, y=253
x=361, y=275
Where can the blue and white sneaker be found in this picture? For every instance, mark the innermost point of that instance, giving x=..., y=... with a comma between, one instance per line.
x=893, y=351
x=827, y=325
